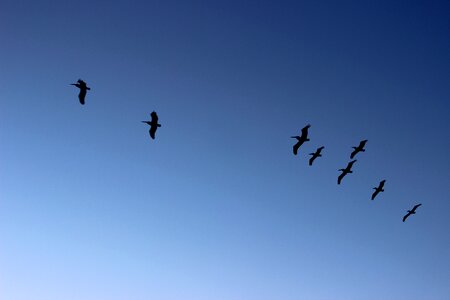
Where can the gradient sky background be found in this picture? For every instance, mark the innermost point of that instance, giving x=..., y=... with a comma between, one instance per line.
x=217, y=207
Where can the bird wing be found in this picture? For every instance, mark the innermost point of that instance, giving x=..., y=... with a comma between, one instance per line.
x=153, y=131
x=154, y=117
x=405, y=217
x=375, y=194
x=350, y=164
x=340, y=177
x=82, y=95
x=295, y=147
x=311, y=160
x=305, y=129
x=304, y=135
x=382, y=184
x=416, y=206
x=354, y=152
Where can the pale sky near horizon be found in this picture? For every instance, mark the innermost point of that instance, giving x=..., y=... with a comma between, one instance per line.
x=218, y=207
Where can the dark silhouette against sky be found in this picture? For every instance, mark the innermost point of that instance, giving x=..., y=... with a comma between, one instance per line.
x=359, y=148
x=217, y=207
x=411, y=212
x=83, y=90
x=347, y=170
x=153, y=124
x=301, y=139
x=378, y=189
x=315, y=155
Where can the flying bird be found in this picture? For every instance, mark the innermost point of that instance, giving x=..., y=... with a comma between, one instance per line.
x=153, y=124
x=345, y=171
x=358, y=149
x=83, y=89
x=315, y=155
x=378, y=189
x=301, y=139
x=411, y=212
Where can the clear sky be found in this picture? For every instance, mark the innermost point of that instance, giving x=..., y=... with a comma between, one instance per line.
x=218, y=207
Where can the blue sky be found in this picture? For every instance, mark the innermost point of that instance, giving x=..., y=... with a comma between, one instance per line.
x=217, y=207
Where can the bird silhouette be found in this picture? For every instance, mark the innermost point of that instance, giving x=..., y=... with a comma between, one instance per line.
x=153, y=124
x=358, y=149
x=315, y=155
x=378, y=189
x=345, y=171
x=83, y=90
x=301, y=139
x=411, y=212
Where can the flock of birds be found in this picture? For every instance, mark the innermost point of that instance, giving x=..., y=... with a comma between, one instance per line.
x=301, y=139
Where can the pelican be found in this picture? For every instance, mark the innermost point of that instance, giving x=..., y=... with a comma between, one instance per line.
x=315, y=155
x=153, y=124
x=345, y=171
x=411, y=212
x=83, y=90
x=301, y=139
x=358, y=149
x=378, y=189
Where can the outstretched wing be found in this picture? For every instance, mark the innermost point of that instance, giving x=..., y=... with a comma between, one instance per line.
x=295, y=147
x=406, y=216
x=304, y=135
x=375, y=194
x=311, y=160
x=416, y=206
x=153, y=131
x=82, y=95
x=352, y=155
x=362, y=143
x=340, y=177
x=154, y=117
x=350, y=164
